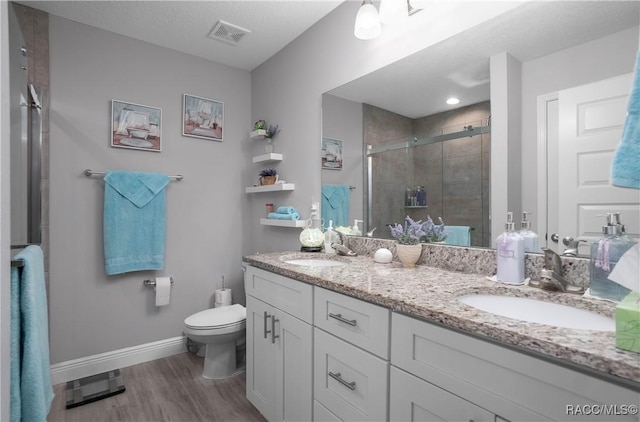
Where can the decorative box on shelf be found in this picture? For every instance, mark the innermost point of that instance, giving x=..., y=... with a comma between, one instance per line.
x=270, y=188
x=282, y=223
x=267, y=157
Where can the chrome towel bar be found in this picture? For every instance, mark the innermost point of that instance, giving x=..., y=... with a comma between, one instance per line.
x=89, y=173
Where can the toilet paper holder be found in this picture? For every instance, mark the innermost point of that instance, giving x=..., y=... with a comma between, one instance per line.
x=152, y=283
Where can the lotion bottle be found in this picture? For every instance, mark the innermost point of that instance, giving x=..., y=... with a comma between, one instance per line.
x=510, y=254
x=330, y=237
x=530, y=237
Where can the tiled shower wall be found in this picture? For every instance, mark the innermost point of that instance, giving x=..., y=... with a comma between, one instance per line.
x=455, y=173
x=35, y=30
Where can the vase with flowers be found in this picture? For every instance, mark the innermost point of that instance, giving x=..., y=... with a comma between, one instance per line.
x=408, y=246
x=268, y=177
x=411, y=235
x=271, y=132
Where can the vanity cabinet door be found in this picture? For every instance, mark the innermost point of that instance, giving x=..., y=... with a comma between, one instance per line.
x=413, y=399
x=261, y=358
x=279, y=363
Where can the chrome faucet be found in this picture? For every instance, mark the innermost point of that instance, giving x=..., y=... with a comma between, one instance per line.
x=551, y=274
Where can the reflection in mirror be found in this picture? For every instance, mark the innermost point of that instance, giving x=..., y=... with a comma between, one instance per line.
x=438, y=167
x=555, y=45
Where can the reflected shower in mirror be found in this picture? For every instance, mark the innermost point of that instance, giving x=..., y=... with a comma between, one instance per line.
x=434, y=166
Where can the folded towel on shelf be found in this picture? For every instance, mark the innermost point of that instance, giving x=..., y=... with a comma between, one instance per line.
x=281, y=216
x=335, y=204
x=134, y=221
x=31, y=389
x=625, y=169
x=287, y=210
x=458, y=235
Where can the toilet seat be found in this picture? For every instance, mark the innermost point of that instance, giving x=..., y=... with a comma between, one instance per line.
x=217, y=318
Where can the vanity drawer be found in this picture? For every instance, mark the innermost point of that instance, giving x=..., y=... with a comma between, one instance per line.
x=351, y=383
x=358, y=322
x=286, y=294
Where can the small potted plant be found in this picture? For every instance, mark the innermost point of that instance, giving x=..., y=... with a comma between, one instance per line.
x=408, y=246
x=268, y=177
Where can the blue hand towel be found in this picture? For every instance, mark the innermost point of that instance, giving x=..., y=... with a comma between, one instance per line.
x=335, y=204
x=30, y=372
x=286, y=210
x=458, y=235
x=625, y=169
x=281, y=216
x=134, y=221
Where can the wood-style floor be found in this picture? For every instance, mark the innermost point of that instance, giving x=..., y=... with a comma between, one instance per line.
x=168, y=389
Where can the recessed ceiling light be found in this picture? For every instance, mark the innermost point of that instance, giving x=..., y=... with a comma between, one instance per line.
x=453, y=101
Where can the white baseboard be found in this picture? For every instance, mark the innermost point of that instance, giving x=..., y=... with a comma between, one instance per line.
x=103, y=362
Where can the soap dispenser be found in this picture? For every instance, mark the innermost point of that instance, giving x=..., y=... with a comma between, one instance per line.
x=510, y=251
x=530, y=237
x=355, y=230
x=330, y=237
x=605, y=254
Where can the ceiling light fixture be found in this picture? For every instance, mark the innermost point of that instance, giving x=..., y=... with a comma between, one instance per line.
x=367, y=22
x=453, y=101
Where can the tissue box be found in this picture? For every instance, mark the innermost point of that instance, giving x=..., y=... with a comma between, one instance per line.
x=628, y=323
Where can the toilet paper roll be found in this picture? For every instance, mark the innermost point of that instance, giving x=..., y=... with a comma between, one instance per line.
x=163, y=290
x=223, y=297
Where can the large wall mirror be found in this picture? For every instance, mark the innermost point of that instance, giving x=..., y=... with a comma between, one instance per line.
x=396, y=133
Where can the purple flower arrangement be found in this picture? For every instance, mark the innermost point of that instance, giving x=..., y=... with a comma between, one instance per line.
x=271, y=132
x=414, y=232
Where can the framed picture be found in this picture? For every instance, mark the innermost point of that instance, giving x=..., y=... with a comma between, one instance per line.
x=331, y=154
x=135, y=126
x=203, y=118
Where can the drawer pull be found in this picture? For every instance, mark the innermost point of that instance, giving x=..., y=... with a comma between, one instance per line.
x=340, y=318
x=274, y=336
x=266, y=317
x=350, y=385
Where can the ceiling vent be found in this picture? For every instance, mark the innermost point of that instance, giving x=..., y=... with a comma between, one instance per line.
x=228, y=33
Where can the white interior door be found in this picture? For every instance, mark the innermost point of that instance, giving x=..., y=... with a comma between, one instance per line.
x=591, y=119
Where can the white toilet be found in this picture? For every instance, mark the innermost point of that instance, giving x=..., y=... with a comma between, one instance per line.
x=219, y=329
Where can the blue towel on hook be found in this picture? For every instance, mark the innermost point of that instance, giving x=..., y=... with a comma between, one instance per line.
x=457, y=235
x=134, y=221
x=625, y=169
x=31, y=389
x=335, y=204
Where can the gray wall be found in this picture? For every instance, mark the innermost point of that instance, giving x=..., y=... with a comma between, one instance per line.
x=342, y=120
x=90, y=312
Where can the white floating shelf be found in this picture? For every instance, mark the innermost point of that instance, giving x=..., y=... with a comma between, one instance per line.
x=282, y=223
x=270, y=188
x=258, y=134
x=267, y=157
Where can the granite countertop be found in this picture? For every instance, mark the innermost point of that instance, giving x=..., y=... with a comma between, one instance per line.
x=431, y=294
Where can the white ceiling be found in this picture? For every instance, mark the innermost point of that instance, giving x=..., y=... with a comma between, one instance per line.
x=184, y=25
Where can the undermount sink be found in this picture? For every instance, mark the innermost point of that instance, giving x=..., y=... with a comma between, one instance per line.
x=312, y=262
x=532, y=310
